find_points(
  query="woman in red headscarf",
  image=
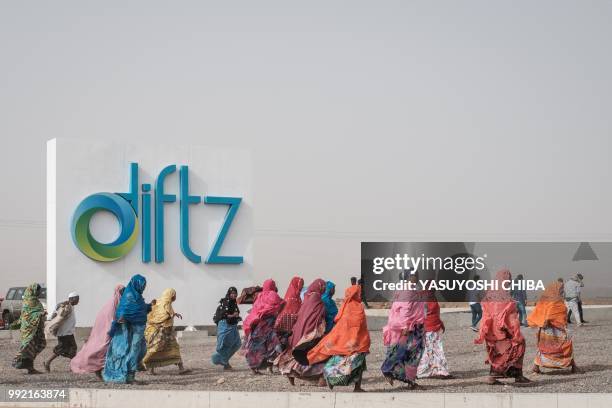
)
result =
(308, 329)
(261, 341)
(433, 363)
(288, 315)
(345, 347)
(500, 330)
(555, 347)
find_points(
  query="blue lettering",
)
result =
(234, 204)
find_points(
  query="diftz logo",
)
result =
(125, 207)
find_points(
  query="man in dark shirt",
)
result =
(363, 298)
(474, 301)
(520, 297)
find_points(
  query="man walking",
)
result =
(572, 296)
(473, 297)
(62, 325)
(363, 297)
(520, 297)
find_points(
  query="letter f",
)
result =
(160, 199)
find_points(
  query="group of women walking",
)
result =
(128, 335)
(311, 339)
(306, 336)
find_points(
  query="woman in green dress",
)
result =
(32, 326)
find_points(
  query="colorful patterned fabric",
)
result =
(307, 331)
(288, 365)
(402, 358)
(32, 312)
(162, 347)
(433, 362)
(288, 315)
(407, 312)
(262, 344)
(267, 304)
(344, 370)
(555, 348)
(32, 328)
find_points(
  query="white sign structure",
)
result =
(78, 169)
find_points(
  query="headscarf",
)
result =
(227, 306)
(228, 301)
(92, 356)
(267, 304)
(230, 290)
(499, 294)
(132, 307)
(407, 312)
(432, 317)
(549, 308)
(31, 313)
(162, 311)
(331, 310)
(350, 334)
(311, 316)
(499, 313)
(293, 302)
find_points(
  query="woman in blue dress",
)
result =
(128, 345)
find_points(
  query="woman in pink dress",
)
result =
(93, 354)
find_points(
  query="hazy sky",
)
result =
(366, 120)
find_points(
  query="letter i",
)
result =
(146, 223)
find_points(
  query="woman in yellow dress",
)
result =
(162, 347)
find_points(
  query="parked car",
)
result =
(1, 320)
(11, 305)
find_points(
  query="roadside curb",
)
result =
(101, 398)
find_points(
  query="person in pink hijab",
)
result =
(261, 343)
(403, 336)
(92, 356)
(500, 331)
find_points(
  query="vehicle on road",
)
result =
(1, 320)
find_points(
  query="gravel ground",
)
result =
(466, 360)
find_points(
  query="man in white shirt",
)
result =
(66, 343)
(572, 288)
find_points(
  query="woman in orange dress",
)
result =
(345, 347)
(555, 348)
